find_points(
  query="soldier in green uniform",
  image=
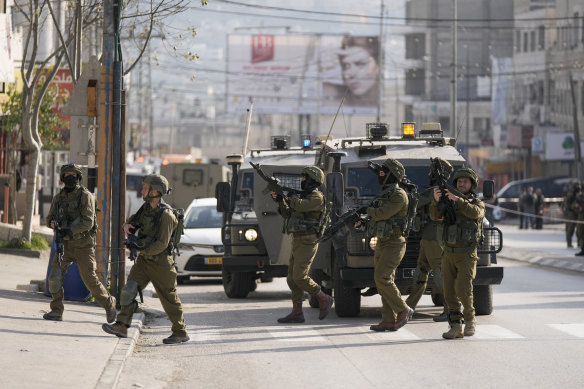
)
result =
(155, 264)
(578, 208)
(430, 255)
(459, 262)
(388, 220)
(569, 212)
(302, 215)
(77, 224)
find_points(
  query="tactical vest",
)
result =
(465, 233)
(303, 221)
(393, 226)
(422, 221)
(70, 210)
(148, 219)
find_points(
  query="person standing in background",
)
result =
(538, 209)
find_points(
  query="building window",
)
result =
(415, 46)
(541, 37)
(525, 36)
(518, 41)
(582, 98)
(532, 41)
(540, 92)
(409, 112)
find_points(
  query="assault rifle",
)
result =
(60, 247)
(347, 219)
(274, 183)
(445, 205)
(133, 244)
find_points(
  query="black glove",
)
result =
(278, 198)
(66, 232)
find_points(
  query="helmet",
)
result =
(394, 167)
(315, 173)
(157, 182)
(467, 172)
(71, 167)
(445, 166)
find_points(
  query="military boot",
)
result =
(383, 326)
(454, 332)
(54, 316)
(470, 328)
(403, 317)
(175, 339)
(296, 316)
(110, 312)
(325, 303)
(118, 329)
(441, 317)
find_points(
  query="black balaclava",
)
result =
(70, 183)
(309, 184)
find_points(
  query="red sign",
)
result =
(262, 48)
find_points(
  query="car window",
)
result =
(203, 217)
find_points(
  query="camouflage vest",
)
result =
(304, 221)
(70, 210)
(465, 232)
(395, 225)
(148, 219)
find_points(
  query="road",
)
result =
(534, 338)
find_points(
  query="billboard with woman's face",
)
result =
(307, 74)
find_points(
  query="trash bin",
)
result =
(73, 285)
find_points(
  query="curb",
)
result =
(21, 252)
(560, 263)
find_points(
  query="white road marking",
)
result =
(388, 336)
(492, 331)
(296, 334)
(574, 329)
(205, 336)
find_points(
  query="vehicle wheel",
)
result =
(264, 278)
(182, 279)
(236, 284)
(253, 284)
(347, 300)
(438, 299)
(318, 276)
(498, 214)
(483, 299)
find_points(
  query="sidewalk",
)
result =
(76, 353)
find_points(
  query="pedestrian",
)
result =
(430, 253)
(570, 214)
(156, 222)
(387, 225)
(538, 208)
(520, 207)
(529, 208)
(302, 218)
(578, 206)
(459, 262)
(73, 208)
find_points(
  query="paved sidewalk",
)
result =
(76, 353)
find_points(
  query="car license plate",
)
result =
(213, 261)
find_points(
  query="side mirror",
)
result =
(222, 194)
(335, 189)
(488, 189)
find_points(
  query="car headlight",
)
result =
(251, 234)
(373, 243)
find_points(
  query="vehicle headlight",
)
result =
(251, 234)
(373, 243)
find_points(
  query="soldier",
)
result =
(301, 219)
(387, 224)
(459, 262)
(430, 255)
(77, 225)
(578, 207)
(156, 223)
(569, 212)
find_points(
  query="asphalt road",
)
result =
(533, 339)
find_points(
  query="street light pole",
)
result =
(453, 38)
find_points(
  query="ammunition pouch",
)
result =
(387, 228)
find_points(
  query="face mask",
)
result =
(303, 185)
(381, 180)
(70, 181)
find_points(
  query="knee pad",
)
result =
(55, 280)
(129, 292)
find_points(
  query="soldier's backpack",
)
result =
(179, 213)
(411, 190)
(325, 217)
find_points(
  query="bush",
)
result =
(37, 242)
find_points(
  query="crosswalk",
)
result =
(309, 334)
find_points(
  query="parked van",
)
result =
(552, 188)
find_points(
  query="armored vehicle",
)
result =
(252, 233)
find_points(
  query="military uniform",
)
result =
(77, 222)
(578, 208)
(460, 257)
(301, 219)
(388, 220)
(570, 213)
(154, 264)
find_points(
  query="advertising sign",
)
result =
(561, 146)
(303, 74)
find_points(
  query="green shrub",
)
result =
(37, 242)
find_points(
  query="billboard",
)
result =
(303, 74)
(561, 147)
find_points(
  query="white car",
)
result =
(200, 247)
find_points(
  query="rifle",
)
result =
(348, 218)
(60, 247)
(133, 243)
(445, 205)
(274, 183)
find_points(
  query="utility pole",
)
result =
(453, 38)
(466, 76)
(578, 151)
(381, 67)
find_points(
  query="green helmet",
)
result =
(467, 172)
(395, 167)
(157, 182)
(446, 167)
(71, 167)
(315, 173)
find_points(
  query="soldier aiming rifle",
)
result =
(274, 184)
(445, 205)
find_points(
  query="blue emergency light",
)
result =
(306, 141)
